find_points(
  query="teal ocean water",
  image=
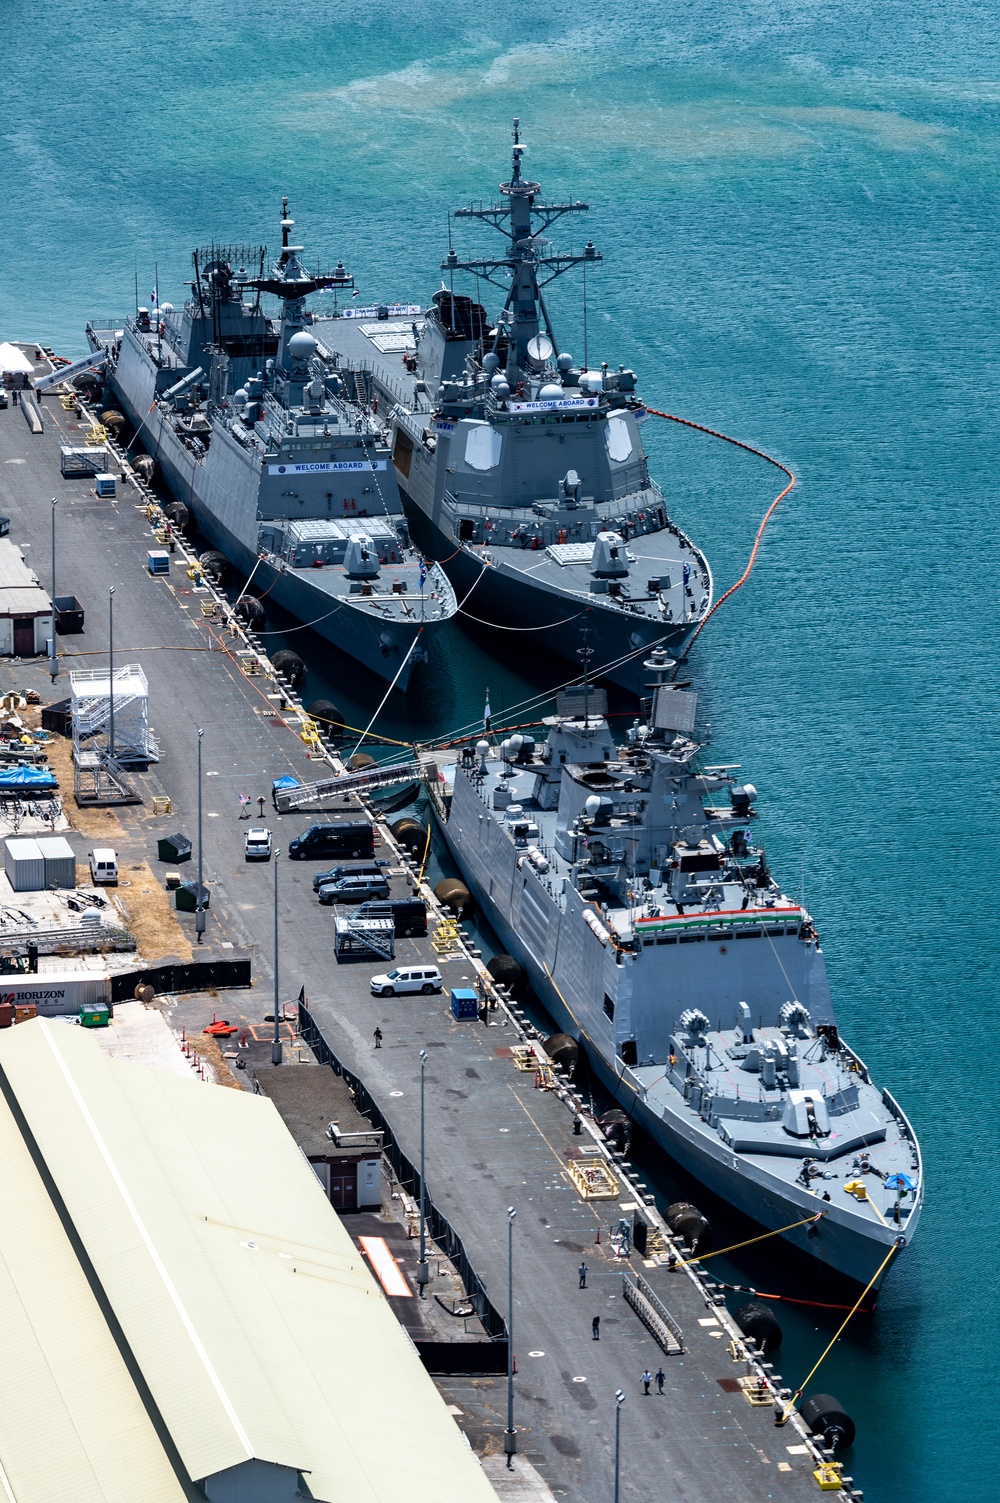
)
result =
(797, 205)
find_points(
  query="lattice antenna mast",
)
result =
(523, 220)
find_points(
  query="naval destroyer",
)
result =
(523, 473)
(286, 471)
(628, 881)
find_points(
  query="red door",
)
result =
(24, 636)
(344, 1190)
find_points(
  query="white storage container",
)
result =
(56, 992)
(60, 862)
(24, 865)
(104, 485)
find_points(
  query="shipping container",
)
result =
(24, 865)
(53, 993)
(60, 862)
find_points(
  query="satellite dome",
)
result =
(550, 392)
(241, 396)
(501, 390)
(593, 805)
(302, 346)
(490, 363)
(166, 307)
(565, 362)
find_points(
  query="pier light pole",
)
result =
(54, 666)
(276, 1041)
(422, 1274)
(619, 1401)
(199, 907)
(111, 675)
(510, 1434)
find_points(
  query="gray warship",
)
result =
(627, 881)
(524, 474)
(287, 474)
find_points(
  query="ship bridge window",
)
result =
(482, 447)
(618, 439)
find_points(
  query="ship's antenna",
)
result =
(585, 653)
(586, 365)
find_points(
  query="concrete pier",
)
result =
(494, 1139)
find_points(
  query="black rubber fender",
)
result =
(564, 1051)
(411, 834)
(826, 1416)
(760, 1324)
(508, 972)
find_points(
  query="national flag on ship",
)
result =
(487, 716)
(423, 572)
(154, 300)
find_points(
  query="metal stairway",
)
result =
(91, 692)
(359, 938)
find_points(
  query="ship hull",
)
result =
(499, 600)
(838, 1244)
(378, 646)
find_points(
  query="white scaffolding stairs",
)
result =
(358, 937)
(98, 776)
(91, 692)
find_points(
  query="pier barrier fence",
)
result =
(183, 976)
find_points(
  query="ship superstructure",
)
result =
(523, 472)
(628, 881)
(287, 475)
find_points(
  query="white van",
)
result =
(104, 866)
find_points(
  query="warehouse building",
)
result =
(182, 1315)
(25, 608)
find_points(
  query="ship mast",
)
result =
(523, 220)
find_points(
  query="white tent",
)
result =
(11, 359)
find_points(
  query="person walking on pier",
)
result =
(377, 1036)
(595, 1326)
(583, 1275)
(647, 1378)
(660, 1379)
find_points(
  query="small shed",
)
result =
(344, 1149)
(25, 608)
(60, 861)
(24, 865)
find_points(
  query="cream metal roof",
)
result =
(71, 1423)
(253, 1318)
(20, 592)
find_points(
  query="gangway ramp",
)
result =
(308, 794)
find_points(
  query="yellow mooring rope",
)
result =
(801, 1390)
(751, 1240)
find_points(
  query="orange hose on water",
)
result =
(738, 444)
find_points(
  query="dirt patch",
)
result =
(208, 1050)
(102, 825)
(151, 918)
